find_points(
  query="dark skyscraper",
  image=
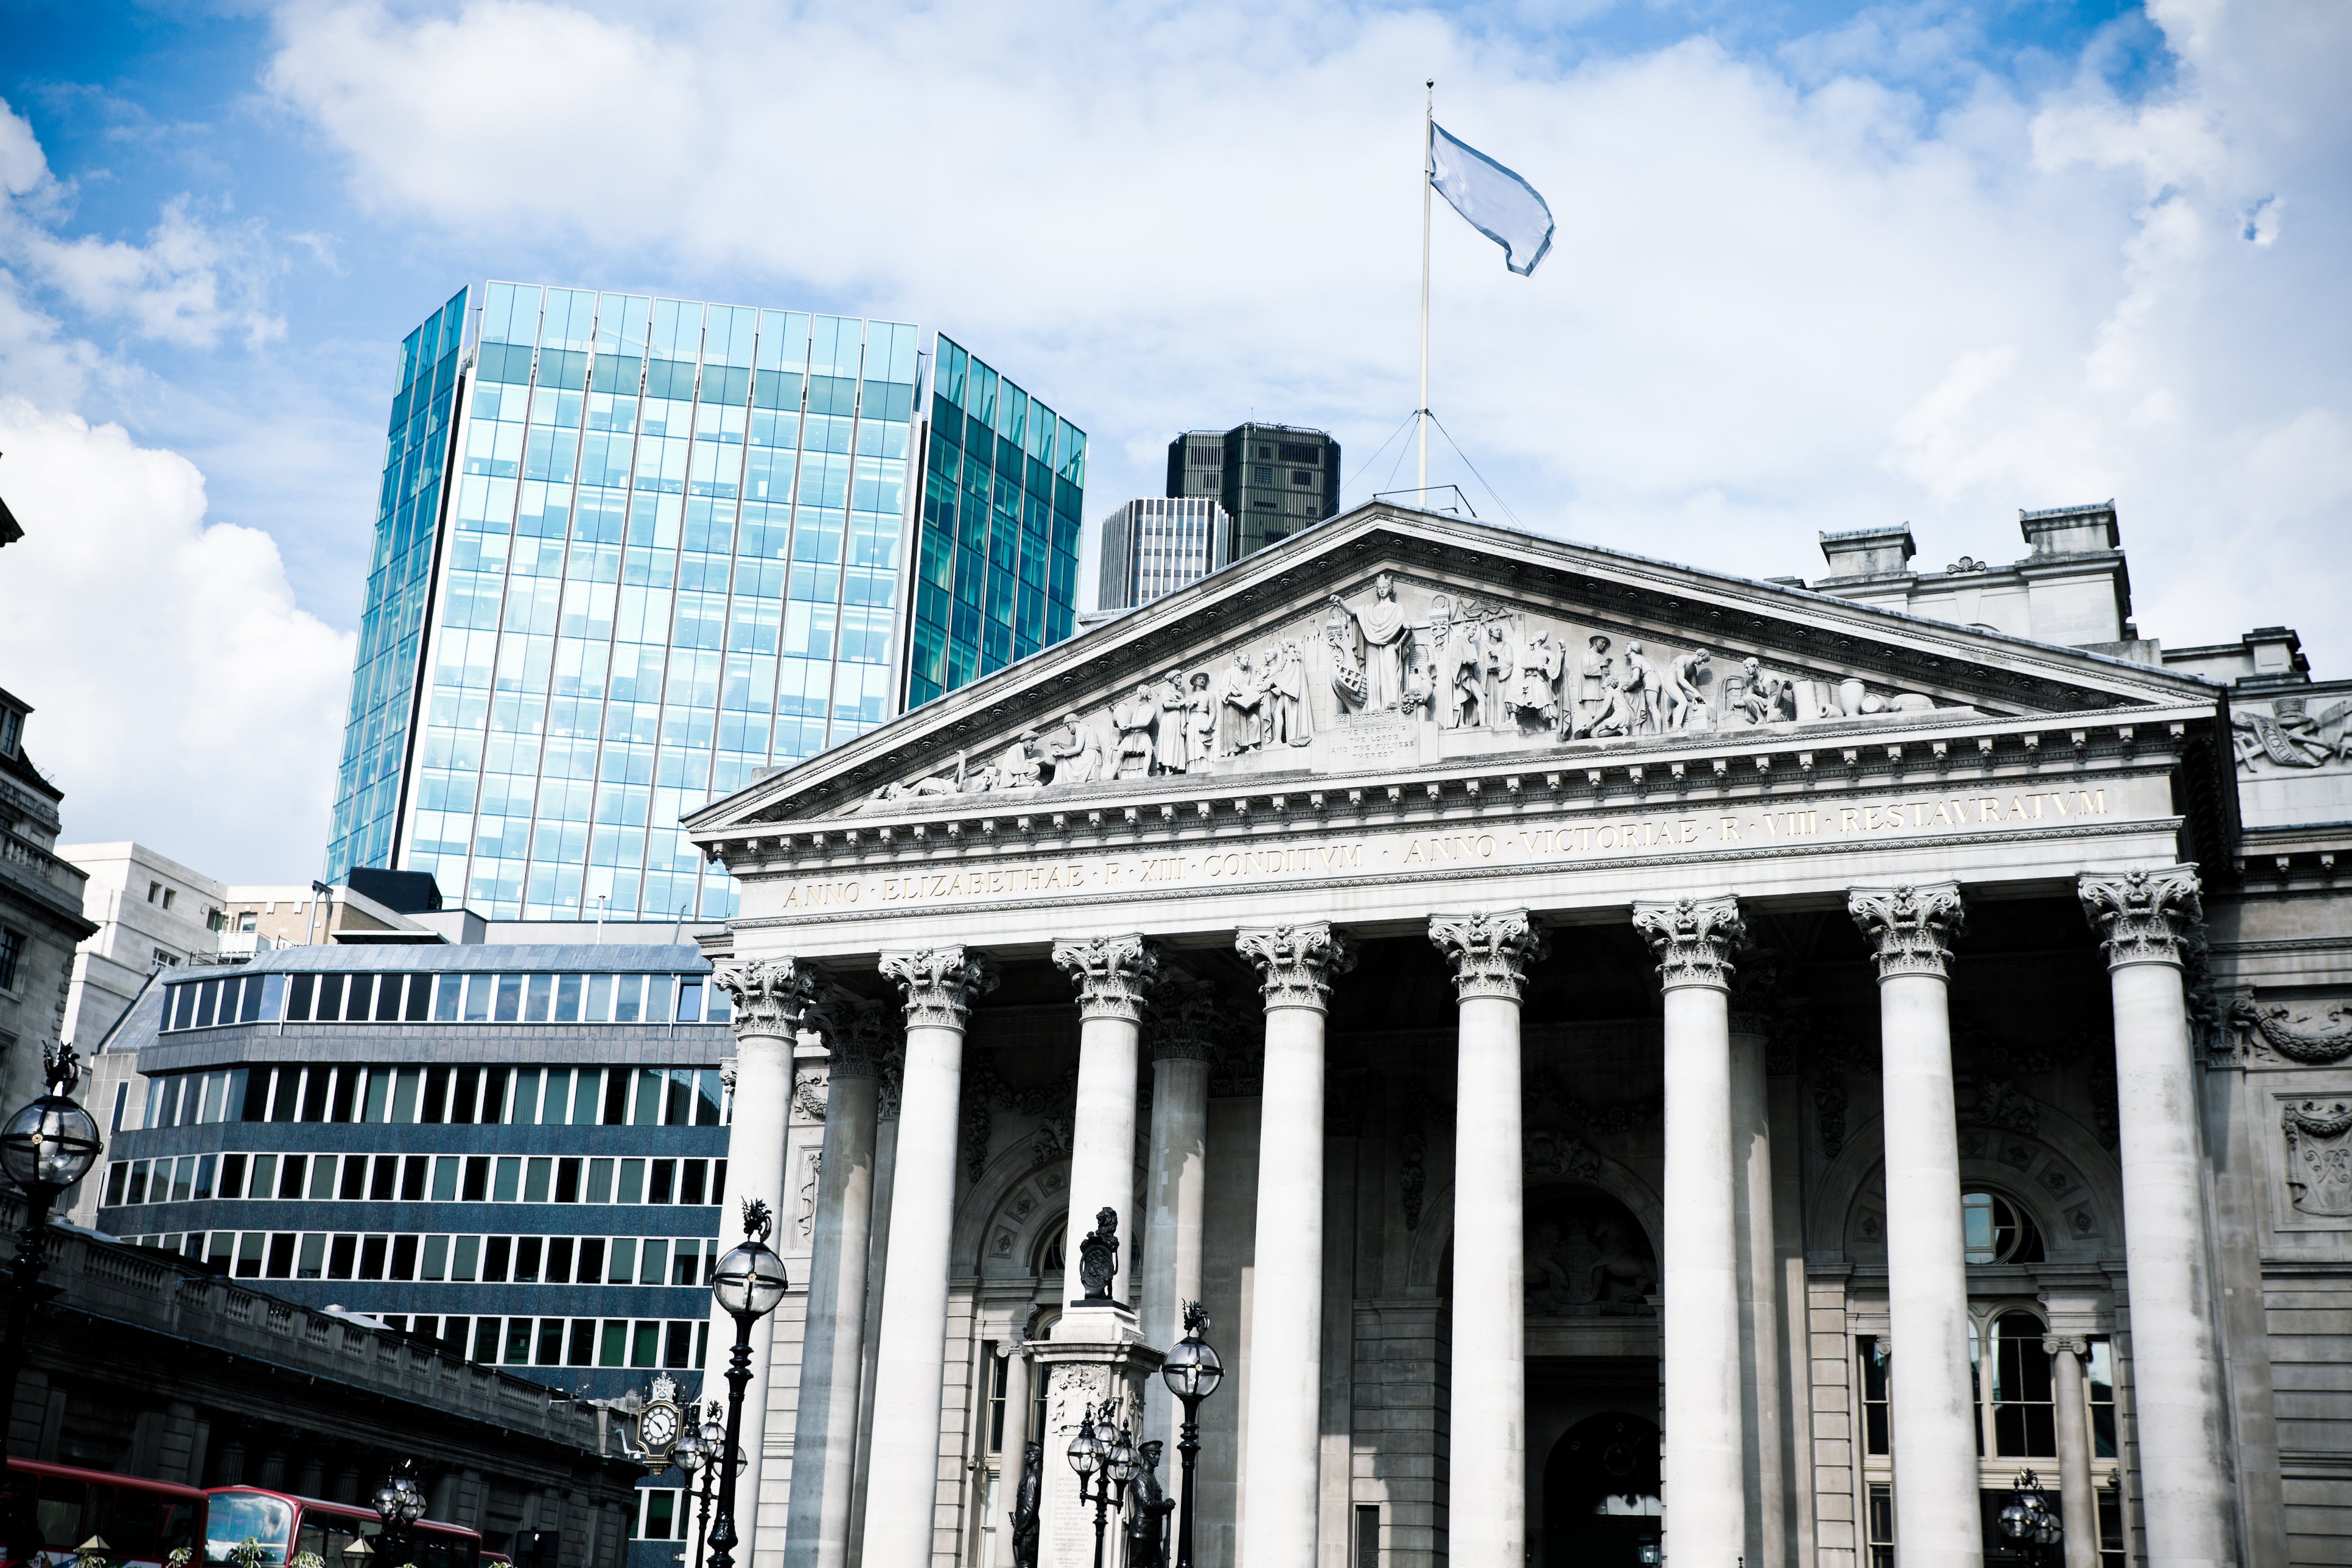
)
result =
(1272, 480)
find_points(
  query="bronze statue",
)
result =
(1147, 1527)
(1098, 1254)
(1025, 1505)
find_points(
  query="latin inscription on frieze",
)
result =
(1588, 837)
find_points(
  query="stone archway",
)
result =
(1600, 1493)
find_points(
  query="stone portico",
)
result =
(1626, 1055)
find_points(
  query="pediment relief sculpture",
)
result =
(1394, 671)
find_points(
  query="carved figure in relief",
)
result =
(1384, 638)
(1594, 681)
(1175, 736)
(1348, 681)
(1684, 705)
(1645, 701)
(1535, 685)
(1495, 671)
(1286, 696)
(1454, 666)
(1629, 697)
(1239, 699)
(1135, 720)
(1022, 767)
(1079, 760)
(1767, 693)
(2287, 736)
(1200, 718)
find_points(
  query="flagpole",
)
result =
(1428, 179)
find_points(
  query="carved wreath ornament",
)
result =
(2296, 1040)
(2319, 1157)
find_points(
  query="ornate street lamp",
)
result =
(749, 1284)
(697, 1455)
(1192, 1372)
(2029, 1519)
(45, 1148)
(400, 1504)
(1103, 1454)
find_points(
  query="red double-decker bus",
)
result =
(282, 1526)
(47, 1512)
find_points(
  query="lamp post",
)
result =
(750, 1283)
(696, 1456)
(1103, 1453)
(400, 1504)
(1192, 1372)
(45, 1148)
(2029, 1519)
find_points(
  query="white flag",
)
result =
(1499, 203)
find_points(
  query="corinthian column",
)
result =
(833, 1348)
(773, 998)
(1174, 1184)
(1760, 1339)
(1113, 974)
(2146, 918)
(940, 983)
(1936, 1522)
(1705, 1464)
(1489, 953)
(1283, 1464)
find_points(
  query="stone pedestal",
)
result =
(1096, 1353)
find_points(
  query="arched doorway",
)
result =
(1600, 1493)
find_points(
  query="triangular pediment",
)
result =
(1390, 640)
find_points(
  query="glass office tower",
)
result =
(1003, 486)
(669, 557)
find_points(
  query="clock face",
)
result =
(657, 1428)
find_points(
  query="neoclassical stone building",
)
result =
(1630, 1058)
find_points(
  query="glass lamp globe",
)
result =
(714, 1429)
(749, 1283)
(388, 1504)
(49, 1144)
(1193, 1369)
(411, 1499)
(1085, 1453)
(688, 1455)
(1121, 1463)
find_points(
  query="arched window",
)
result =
(1995, 1230)
(1048, 1263)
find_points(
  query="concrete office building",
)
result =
(631, 553)
(515, 1152)
(1639, 1060)
(1272, 480)
(1155, 545)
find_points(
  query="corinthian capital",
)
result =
(860, 1041)
(1694, 939)
(1910, 928)
(1297, 962)
(940, 983)
(1184, 1022)
(1489, 950)
(1113, 974)
(2144, 916)
(771, 995)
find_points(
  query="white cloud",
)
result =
(1866, 278)
(192, 283)
(181, 696)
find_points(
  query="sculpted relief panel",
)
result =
(1393, 673)
(2287, 738)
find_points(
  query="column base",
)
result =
(1096, 1353)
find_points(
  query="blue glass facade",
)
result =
(518, 1152)
(400, 580)
(673, 557)
(997, 551)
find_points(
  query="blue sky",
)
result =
(1819, 266)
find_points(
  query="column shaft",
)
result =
(833, 1347)
(1937, 1519)
(1016, 1426)
(911, 1363)
(771, 999)
(2076, 1509)
(1705, 1471)
(1759, 1313)
(1174, 1182)
(1283, 1454)
(2145, 917)
(1488, 1518)
(1112, 973)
